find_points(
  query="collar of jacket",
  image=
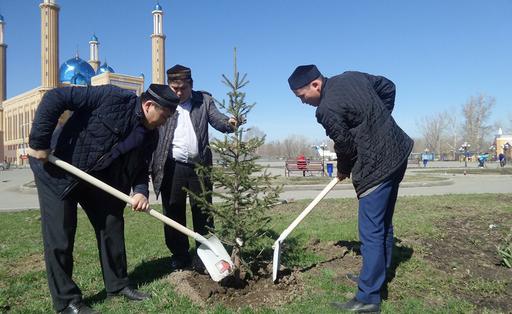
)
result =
(139, 114)
(196, 99)
(322, 92)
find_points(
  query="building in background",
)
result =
(17, 112)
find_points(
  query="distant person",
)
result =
(302, 164)
(502, 159)
(111, 135)
(355, 110)
(425, 161)
(183, 145)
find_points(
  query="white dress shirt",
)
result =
(184, 143)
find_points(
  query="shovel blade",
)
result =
(276, 262)
(215, 258)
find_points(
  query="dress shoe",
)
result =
(78, 308)
(352, 277)
(180, 262)
(198, 266)
(130, 294)
(357, 306)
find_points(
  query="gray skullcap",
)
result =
(163, 96)
(303, 75)
(179, 72)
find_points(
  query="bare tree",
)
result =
(476, 112)
(294, 145)
(253, 132)
(432, 128)
(452, 131)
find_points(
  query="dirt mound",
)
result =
(258, 292)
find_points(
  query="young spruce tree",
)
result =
(244, 187)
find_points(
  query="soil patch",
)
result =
(30, 263)
(259, 291)
(467, 251)
(340, 257)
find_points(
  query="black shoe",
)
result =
(357, 306)
(198, 266)
(352, 277)
(78, 308)
(180, 262)
(130, 294)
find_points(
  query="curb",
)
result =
(348, 186)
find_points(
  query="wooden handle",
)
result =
(125, 198)
(308, 209)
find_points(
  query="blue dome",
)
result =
(76, 70)
(79, 79)
(94, 38)
(1, 18)
(104, 68)
(158, 7)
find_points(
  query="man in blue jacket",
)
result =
(110, 134)
(355, 110)
(183, 144)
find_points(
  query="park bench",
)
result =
(305, 167)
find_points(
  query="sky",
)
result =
(438, 53)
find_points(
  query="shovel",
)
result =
(277, 245)
(211, 251)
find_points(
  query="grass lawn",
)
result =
(445, 259)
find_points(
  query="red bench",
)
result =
(309, 166)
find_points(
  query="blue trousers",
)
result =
(376, 236)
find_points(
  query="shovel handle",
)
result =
(125, 198)
(308, 209)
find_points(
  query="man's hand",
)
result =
(41, 155)
(140, 203)
(343, 176)
(236, 123)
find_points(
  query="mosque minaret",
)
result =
(158, 47)
(94, 59)
(3, 64)
(49, 44)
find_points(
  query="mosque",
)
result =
(17, 113)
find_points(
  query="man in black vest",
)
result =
(111, 134)
(355, 110)
(183, 144)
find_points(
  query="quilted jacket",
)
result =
(355, 110)
(102, 116)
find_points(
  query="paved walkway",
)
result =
(17, 194)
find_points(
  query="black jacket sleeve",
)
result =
(53, 105)
(216, 118)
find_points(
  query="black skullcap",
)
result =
(163, 96)
(303, 75)
(179, 72)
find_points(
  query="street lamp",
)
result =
(492, 149)
(506, 148)
(323, 147)
(23, 144)
(464, 147)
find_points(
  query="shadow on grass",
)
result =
(400, 254)
(144, 273)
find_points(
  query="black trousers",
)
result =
(59, 222)
(174, 201)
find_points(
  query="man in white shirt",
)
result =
(183, 144)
